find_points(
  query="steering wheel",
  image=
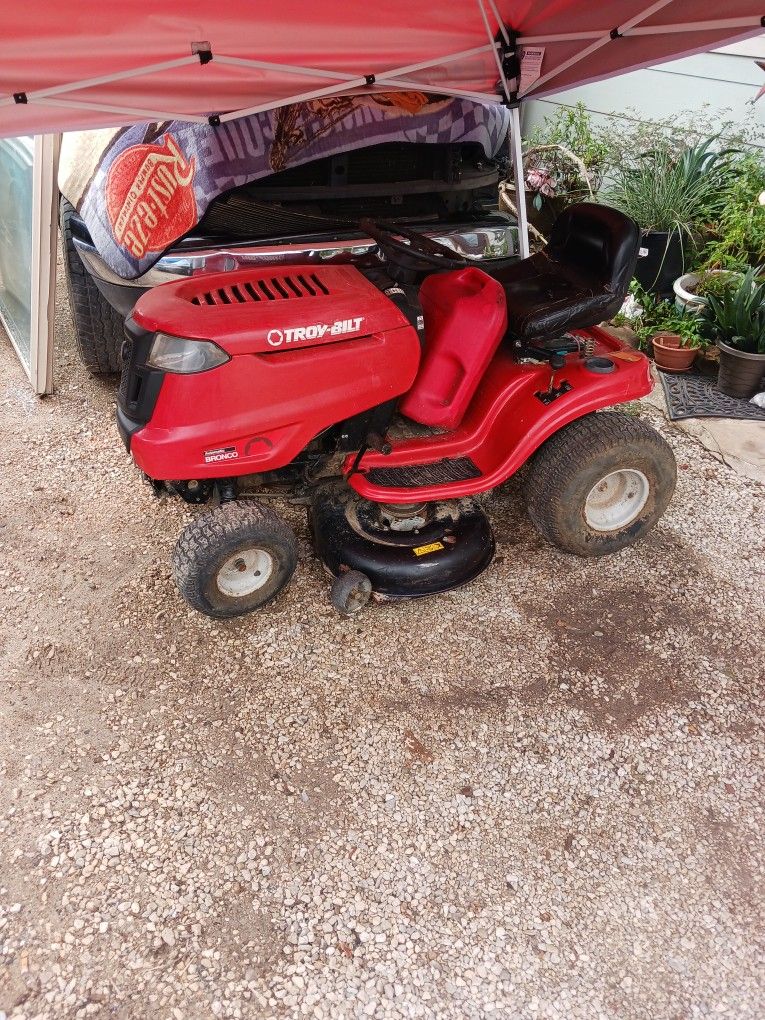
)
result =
(421, 251)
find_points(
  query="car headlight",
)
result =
(183, 356)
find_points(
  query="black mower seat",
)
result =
(580, 278)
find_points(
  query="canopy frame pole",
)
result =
(516, 158)
(343, 81)
(401, 83)
(673, 29)
(303, 97)
(341, 88)
(386, 79)
(511, 101)
(502, 27)
(390, 78)
(608, 37)
(151, 115)
(508, 92)
(422, 65)
(104, 79)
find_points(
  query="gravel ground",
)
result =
(538, 797)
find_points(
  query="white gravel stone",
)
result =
(540, 796)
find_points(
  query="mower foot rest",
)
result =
(412, 476)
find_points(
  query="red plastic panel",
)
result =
(258, 411)
(506, 421)
(262, 310)
(465, 319)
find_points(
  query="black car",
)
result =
(307, 213)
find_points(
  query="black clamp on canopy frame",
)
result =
(510, 61)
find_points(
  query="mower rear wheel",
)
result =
(234, 559)
(600, 483)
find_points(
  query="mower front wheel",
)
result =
(351, 591)
(234, 559)
(600, 483)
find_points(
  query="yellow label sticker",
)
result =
(423, 550)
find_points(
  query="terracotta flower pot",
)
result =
(669, 355)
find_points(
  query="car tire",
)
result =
(600, 483)
(99, 330)
(234, 559)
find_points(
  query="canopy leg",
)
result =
(516, 155)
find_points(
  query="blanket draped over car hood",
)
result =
(141, 188)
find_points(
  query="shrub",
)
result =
(566, 155)
(628, 135)
(665, 191)
(737, 235)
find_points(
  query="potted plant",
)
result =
(675, 335)
(678, 339)
(564, 160)
(670, 196)
(692, 290)
(671, 354)
(736, 320)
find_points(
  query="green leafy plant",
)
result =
(665, 191)
(662, 317)
(715, 284)
(737, 317)
(736, 237)
(566, 155)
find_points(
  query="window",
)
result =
(28, 200)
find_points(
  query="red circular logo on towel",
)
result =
(150, 196)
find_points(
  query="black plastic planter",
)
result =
(660, 261)
(740, 373)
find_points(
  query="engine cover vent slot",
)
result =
(273, 288)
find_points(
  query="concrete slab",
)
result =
(739, 444)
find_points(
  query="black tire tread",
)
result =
(200, 540)
(600, 433)
(342, 586)
(99, 329)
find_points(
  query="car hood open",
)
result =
(141, 188)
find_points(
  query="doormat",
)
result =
(690, 395)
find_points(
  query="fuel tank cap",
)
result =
(599, 364)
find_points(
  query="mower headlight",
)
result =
(177, 354)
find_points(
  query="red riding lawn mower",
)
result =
(387, 395)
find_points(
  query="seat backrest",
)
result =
(597, 242)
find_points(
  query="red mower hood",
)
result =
(267, 311)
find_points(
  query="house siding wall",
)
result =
(726, 81)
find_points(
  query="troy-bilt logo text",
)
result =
(277, 337)
(150, 196)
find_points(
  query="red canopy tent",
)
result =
(77, 64)
(88, 63)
